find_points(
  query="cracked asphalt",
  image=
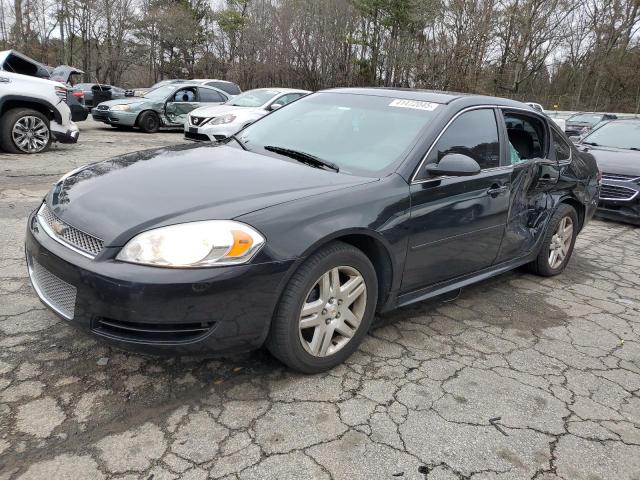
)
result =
(519, 377)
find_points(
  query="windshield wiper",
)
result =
(303, 157)
(591, 143)
(637, 149)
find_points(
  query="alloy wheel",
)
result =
(30, 134)
(332, 311)
(561, 242)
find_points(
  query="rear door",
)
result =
(457, 223)
(535, 173)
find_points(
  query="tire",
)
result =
(292, 345)
(19, 121)
(542, 265)
(149, 122)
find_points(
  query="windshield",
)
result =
(361, 134)
(253, 98)
(591, 118)
(161, 92)
(617, 135)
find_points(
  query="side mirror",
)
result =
(454, 164)
(275, 106)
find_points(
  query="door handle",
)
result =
(496, 190)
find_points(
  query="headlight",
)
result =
(195, 244)
(224, 119)
(123, 108)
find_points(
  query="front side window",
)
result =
(362, 134)
(474, 134)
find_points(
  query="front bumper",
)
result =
(127, 119)
(212, 133)
(65, 134)
(159, 310)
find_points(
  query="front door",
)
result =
(180, 104)
(457, 223)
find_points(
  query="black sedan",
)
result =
(616, 147)
(294, 232)
(580, 124)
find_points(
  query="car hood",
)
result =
(118, 198)
(216, 110)
(616, 160)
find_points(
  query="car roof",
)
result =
(212, 80)
(434, 96)
(280, 89)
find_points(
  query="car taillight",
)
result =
(78, 94)
(61, 92)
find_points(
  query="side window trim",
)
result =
(442, 132)
(556, 129)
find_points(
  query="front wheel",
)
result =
(149, 122)
(325, 310)
(558, 242)
(23, 130)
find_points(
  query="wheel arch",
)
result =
(135, 124)
(373, 245)
(10, 102)
(578, 206)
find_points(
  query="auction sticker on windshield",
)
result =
(418, 105)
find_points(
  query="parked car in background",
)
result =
(163, 107)
(616, 147)
(75, 99)
(297, 230)
(582, 123)
(141, 92)
(224, 85)
(33, 109)
(212, 123)
(89, 88)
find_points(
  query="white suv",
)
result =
(33, 111)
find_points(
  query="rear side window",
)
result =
(562, 148)
(227, 87)
(211, 96)
(474, 134)
(527, 137)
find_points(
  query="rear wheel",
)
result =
(23, 130)
(149, 122)
(558, 243)
(326, 309)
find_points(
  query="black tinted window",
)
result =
(563, 150)
(230, 88)
(474, 134)
(211, 96)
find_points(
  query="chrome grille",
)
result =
(55, 292)
(613, 192)
(68, 234)
(620, 177)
